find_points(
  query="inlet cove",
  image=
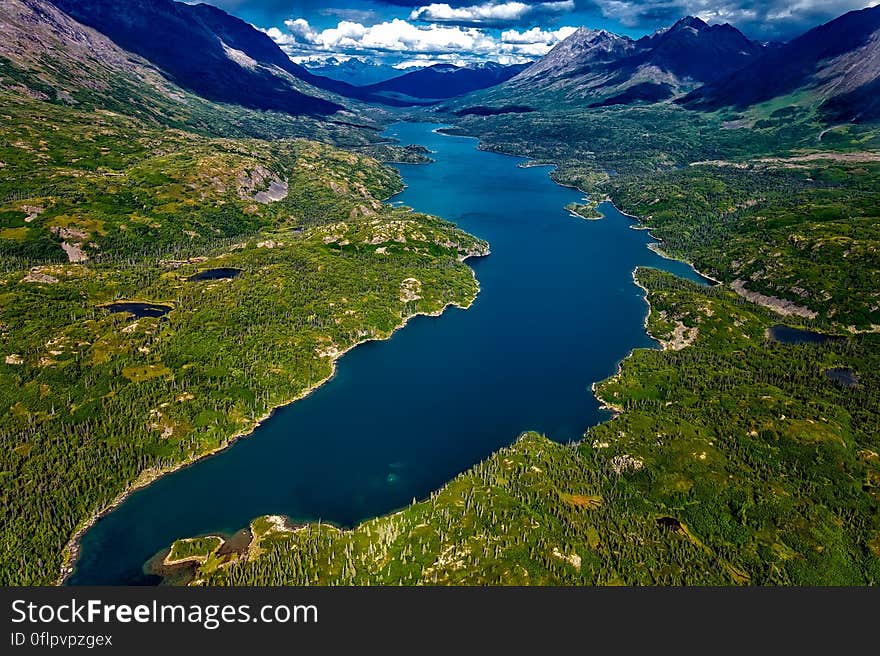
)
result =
(557, 311)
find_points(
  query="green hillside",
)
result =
(98, 207)
(735, 460)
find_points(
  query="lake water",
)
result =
(788, 335)
(557, 311)
(139, 310)
(843, 376)
(214, 274)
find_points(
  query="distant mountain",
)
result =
(353, 71)
(836, 66)
(443, 81)
(204, 50)
(604, 68)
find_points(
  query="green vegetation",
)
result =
(732, 459)
(591, 146)
(194, 549)
(112, 82)
(97, 207)
(772, 198)
(118, 190)
(735, 460)
(392, 153)
(585, 210)
(804, 230)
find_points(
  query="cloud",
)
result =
(401, 40)
(537, 36)
(490, 14)
(760, 18)
(359, 15)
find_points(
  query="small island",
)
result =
(586, 210)
(193, 550)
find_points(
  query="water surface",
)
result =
(557, 311)
(788, 335)
(139, 310)
(214, 274)
(843, 376)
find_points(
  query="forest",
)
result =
(97, 208)
(734, 460)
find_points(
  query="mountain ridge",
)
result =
(443, 81)
(837, 63)
(606, 68)
(182, 41)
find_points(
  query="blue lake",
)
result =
(557, 311)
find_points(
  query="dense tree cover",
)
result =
(803, 230)
(93, 402)
(773, 197)
(735, 460)
(393, 153)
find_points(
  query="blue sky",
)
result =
(414, 32)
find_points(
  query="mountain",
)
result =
(836, 65)
(354, 71)
(46, 55)
(50, 62)
(204, 50)
(442, 81)
(583, 53)
(693, 50)
(611, 69)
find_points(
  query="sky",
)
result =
(406, 33)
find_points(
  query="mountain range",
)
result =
(442, 81)
(206, 51)
(354, 71)
(47, 55)
(225, 59)
(157, 48)
(836, 65)
(604, 68)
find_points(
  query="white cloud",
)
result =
(786, 17)
(537, 35)
(417, 43)
(488, 13)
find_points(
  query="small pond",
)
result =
(214, 274)
(139, 310)
(843, 376)
(788, 335)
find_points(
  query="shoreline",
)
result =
(605, 404)
(73, 548)
(657, 249)
(638, 224)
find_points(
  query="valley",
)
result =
(188, 243)
(538, 298)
